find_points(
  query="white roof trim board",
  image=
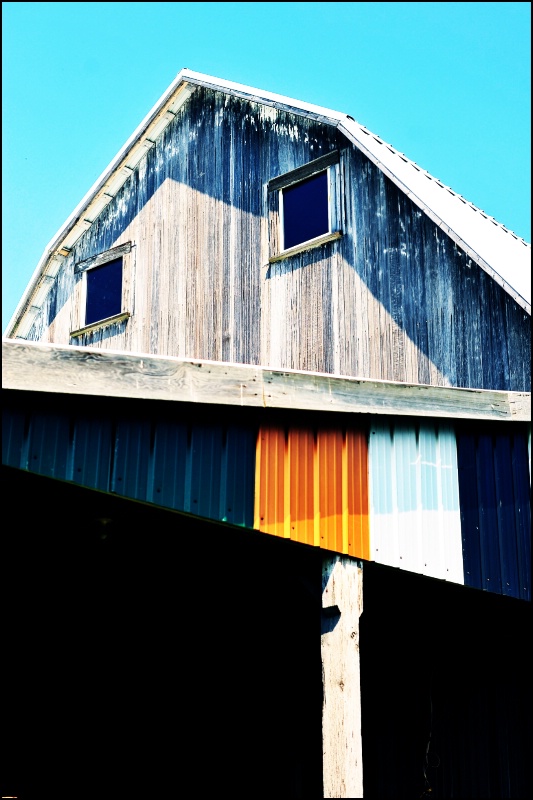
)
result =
(503, 255)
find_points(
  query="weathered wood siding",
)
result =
(393, 299)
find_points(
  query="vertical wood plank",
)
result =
(342, 604)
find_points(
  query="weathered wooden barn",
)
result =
(266, 458)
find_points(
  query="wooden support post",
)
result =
(342, 605)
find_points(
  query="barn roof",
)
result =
(497, 250)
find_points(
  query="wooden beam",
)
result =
(30, 366)
(103, 258)
(305, 171)
(101, 323)
(342, 605)
(301, 248)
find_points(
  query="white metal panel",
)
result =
(415, 521)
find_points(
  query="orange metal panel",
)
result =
(330, 475)
(269, 493)
(301, 482)
(312, 487)
(357, 495)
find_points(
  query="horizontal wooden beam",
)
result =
(305, 171)
(63, 369)
(301, 248)
(103, 258)
(101, 323)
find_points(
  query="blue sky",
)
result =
(448, 84)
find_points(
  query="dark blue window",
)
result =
(305, 210)
(104, 291)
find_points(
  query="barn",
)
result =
(268, 366)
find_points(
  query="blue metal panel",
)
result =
(187, 465)
(239, 470)
(131, 458)
(522, 506)
(49, 445)
(58, 446)
(14, 439)
(496, 512)
(505, 510)
(469, 505)
(206, 470)
(93, 446)
(488, 519)
(171, 457)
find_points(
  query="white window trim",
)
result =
(101, 323)
(335, 207)
(333, 211)
(122, 251)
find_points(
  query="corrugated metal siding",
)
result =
(449, 502)
(415, 522)
(207, 471)
(311, 486)
(494, 489)
(14, 452)
(204, 469)
(49, 445)
(93, 448)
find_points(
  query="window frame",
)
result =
(122, 252)
(329, 163)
